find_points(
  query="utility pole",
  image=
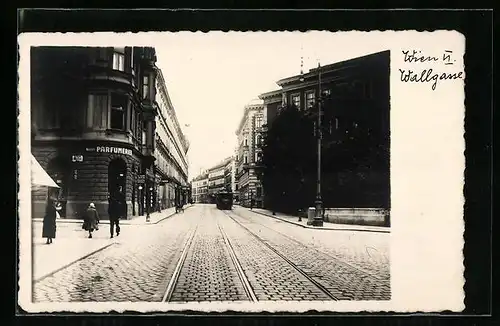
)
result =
(318, 219)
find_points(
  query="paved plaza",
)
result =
(205, 254)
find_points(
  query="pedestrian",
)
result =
(91, 222)
(114, 211)
(252, 203)
(49, 220)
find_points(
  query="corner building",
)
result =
(249, 154)
(94, 112)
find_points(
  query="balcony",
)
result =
(107, 75)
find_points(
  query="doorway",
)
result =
(59, 170)
(117, 180)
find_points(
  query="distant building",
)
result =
(249, 154)
(200, 188)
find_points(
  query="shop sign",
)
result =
(108, 149)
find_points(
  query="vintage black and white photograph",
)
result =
(258, 169)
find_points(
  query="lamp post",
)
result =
(318, 219)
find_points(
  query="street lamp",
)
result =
(318, 220)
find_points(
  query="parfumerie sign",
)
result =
(107, 149)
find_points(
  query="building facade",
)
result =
(171, 152)
(249, 154)
(354, 97)
(95, 111)
(200, 188)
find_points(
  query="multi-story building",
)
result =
(229, 180)
(248, 154)
(354, 97)
(94, 111)
(216, 179)
(200, 188)
(171, 165)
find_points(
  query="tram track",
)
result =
(285, 259)
(241, 274)
(178, 268)
(177, 283)
(337, 260)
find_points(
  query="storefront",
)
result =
(88, 172)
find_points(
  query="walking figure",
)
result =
(114, 211)
(49, 220)
(91, 221)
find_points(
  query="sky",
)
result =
(211, 76)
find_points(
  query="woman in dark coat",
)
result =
(49, 220)
(91, 219)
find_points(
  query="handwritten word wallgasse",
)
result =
(427, 75)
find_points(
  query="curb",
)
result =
(122, 222)
(73, 262)
(321, 228)
(164, 218)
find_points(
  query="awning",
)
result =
(39, 176)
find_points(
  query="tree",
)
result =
(288, 157)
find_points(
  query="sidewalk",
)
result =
(154, 218)
(69, 246)
(72, 244)
(326, 225)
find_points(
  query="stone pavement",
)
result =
(347, 277)
(135, 268)
(236, 255)
(326, 225)
(208, 273)
(70, 245)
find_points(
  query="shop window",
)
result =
(118, 110)
(119, 59)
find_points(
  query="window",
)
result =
(258, 139)
(119, 59)
(258, 121)
(246, 141)
(101, 58)
(246, 159)
(145, 86)
(296, 100)
(310, 98)
(118, 110)
(97, 111)
(259, 192)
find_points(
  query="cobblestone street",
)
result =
(205, 254)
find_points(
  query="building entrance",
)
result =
(117, 180)
(60, 171)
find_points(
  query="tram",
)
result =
(224, 200)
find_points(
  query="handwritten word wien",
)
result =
(428, 75)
